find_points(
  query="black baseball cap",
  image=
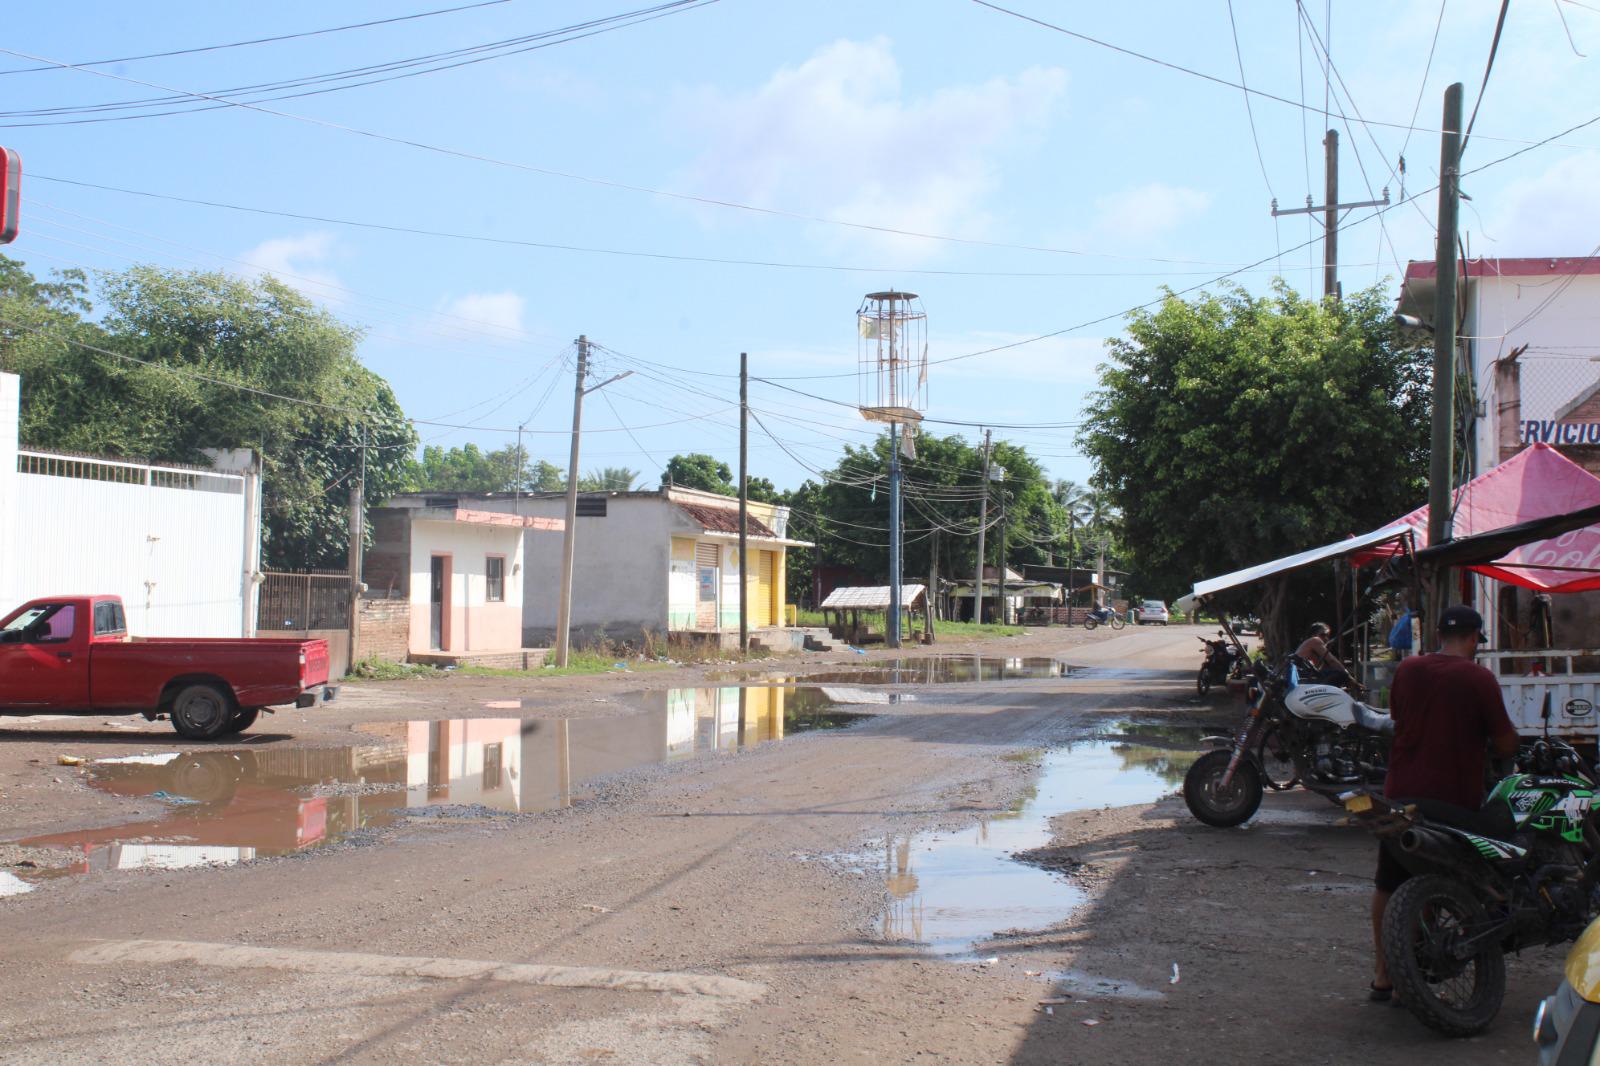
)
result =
(1461, 619)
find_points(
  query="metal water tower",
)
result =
(892, 352)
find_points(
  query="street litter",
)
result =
(596, 908)
(990, 961)
(1055, 1001)
(1091, 1021)
(1174, 978)
(168, 797)
(70, 760)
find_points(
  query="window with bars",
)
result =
(494, 568)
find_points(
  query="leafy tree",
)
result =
(206, 360)
(763, 490)
(1229, 430)
(469, 469)
(700, 471)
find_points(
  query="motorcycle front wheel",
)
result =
(1215, 805)
(1202, 682)
(1425, 919)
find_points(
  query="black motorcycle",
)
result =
(1523, 871)
(1225, 661)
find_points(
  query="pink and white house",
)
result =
(461, 569)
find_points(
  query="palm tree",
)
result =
(1074, 501)
(609, 479)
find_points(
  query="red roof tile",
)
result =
(723, 519)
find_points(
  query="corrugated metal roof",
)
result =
(872, 597)
(723, 519)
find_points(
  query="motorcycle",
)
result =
(1103, 616)
(1316, 736)
(1225, 661)
(1521, 872)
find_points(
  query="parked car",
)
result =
(1567, 1025)
(1152, 612)
(73, 655)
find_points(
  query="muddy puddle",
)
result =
(929, 670)
(232, 805)
(952, 891)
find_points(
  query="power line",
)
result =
(1238, 54)
(264, 40)
(1494, 47)
(268, 91)
(481, 238)
(457, 153)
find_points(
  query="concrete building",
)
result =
(460, 567)
(1530, 346)
(663, 562)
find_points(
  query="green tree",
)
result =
(700, 471)
(1228, 430)
(196, 360)
(470, 469)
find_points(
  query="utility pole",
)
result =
(569, 542)
(358, 533)
(1005, 607)
(892, 636)
(1444, 343)
(1329, 210)
(983, 527)
(744, 503)
(568, 534)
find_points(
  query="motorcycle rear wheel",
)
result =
(1424, 917)
(1218, 806)
(1117, 622)
(1090, 622)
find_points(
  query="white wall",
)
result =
(9, 400)
(172, 554)
(619, 570)
(1562, 334)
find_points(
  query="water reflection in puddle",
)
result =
(950, 891)
(230, 806)
(928, 670)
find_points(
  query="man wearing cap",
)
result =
(1448, 715)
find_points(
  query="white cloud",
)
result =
(477, 313)
(836, 137)
(1148, 210)
(1554, 213)
(296, 261)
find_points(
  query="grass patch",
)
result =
(1026, 755)
(373, 669)
(578, 662)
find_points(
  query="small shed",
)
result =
(843, 608)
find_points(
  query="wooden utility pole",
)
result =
(1005, 607)
(568, 535)
(744, 503)
(983, 528)
(1329, 210)
(1442, 460)
(358, 535)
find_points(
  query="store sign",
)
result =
(1549, 431)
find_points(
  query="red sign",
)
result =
(10, 195)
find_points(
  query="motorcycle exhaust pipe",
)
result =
(1431, 846)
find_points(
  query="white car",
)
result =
(1153, 612)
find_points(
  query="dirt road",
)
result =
(712, 895)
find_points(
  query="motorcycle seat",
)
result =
(1495, 820)
(1372, 718)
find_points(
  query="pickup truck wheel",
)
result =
(202, 711)
(242, 719)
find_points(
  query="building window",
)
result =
(494, 568)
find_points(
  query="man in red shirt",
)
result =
(1448, 715)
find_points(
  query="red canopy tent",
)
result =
(1538, 482)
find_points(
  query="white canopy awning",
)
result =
(1213, 585)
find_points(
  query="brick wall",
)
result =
(385, 629)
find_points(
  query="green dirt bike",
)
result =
(1523, 871)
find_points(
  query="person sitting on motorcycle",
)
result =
(1448, 714)
(1314, 650)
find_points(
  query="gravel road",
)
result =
(759, 905)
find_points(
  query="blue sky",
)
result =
(1076, 180)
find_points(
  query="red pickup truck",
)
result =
(73, 655)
